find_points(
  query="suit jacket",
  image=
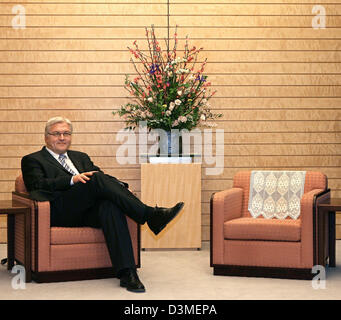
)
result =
(45, 178)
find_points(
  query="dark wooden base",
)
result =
(263, 272)
(73, 275)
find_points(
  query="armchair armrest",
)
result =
(307, 216)
(41, 235)
(225, 205)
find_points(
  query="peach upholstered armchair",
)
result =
(244, 244)
(61, 254)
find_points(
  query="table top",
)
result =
(11, 206)
(332, 204)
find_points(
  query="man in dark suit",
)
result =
(80, 194)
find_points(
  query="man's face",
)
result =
(58, 139)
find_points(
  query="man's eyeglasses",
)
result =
(59, 134)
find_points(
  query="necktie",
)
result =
(62, 158)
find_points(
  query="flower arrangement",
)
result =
(167, 93)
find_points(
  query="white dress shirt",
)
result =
(67, 161)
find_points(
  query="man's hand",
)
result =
(83, 177)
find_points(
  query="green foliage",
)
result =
(167, 93)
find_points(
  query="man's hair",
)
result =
(55, 120)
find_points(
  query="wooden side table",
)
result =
(329, 208)
(11, 208)
(164, 185)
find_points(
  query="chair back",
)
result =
(313, 180)
(20, 185)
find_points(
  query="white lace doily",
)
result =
(276, 194)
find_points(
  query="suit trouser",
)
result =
(102, 202)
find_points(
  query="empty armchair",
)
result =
(61, 254)
(256, 230)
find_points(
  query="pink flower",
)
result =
(175, 123)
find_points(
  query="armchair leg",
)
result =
(10, 242)
(331, 240)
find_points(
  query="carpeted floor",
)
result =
(178, 275)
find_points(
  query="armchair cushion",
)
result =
(263, 229)
(61, 235)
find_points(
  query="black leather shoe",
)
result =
(162, 216)
(131, 281)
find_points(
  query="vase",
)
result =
(170, 144)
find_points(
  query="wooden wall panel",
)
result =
(269, 53)
(70, 57)
(278, 81)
